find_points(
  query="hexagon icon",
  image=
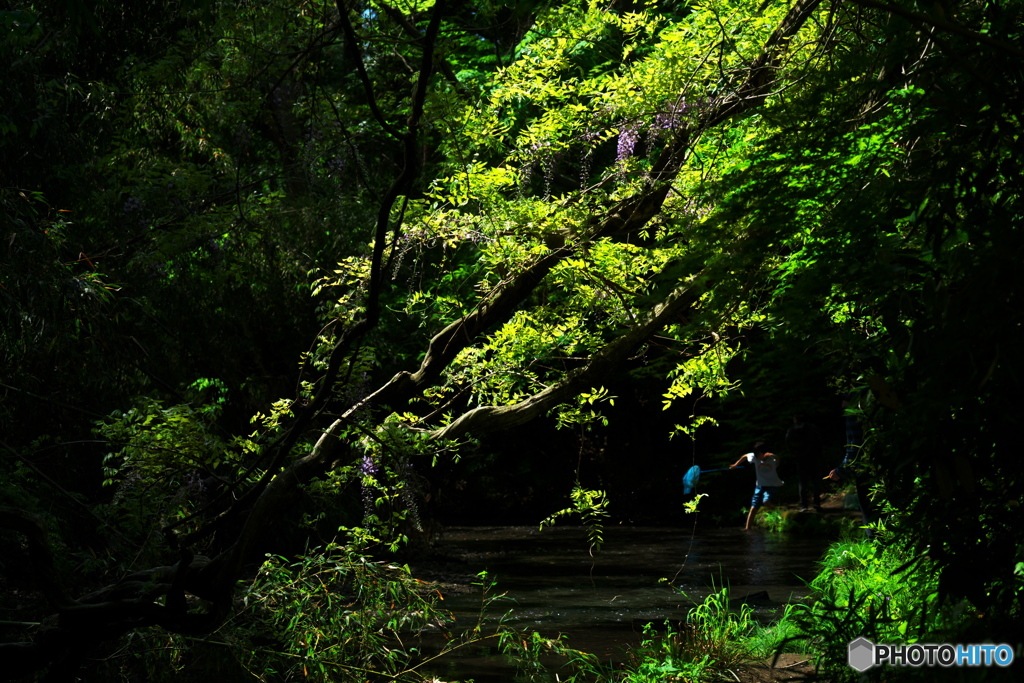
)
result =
(861, 655)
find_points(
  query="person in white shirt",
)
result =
(766, 490)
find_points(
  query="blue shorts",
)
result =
(763, 494)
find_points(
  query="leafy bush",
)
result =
(334, 613)
(878, 591)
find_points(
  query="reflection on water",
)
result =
(640, 575)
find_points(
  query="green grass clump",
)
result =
(713, 643)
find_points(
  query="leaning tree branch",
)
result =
(486, 419)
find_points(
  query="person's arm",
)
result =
(737, 463)
(839, 473)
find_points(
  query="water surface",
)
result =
(554, 584)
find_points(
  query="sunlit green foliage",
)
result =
(879, 592)
(592, 508)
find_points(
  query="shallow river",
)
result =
(641, 574)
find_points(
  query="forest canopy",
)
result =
(269, 268)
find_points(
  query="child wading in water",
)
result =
(766, 489)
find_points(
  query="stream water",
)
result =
(553, 585)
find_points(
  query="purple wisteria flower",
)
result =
(369, 469)
(671, 117)
(628, 137)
